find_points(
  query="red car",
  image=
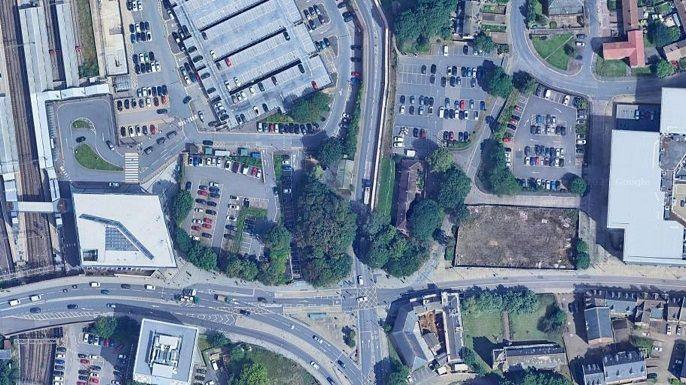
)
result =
(207, 220)
(462, 104)
(84, 361)
(207, 225)
(202, 192)
(80, 383)
(94, 380)
(253, 170)
(195, 228)
(452, 135)
(153, 129)
(355, 74)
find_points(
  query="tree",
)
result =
(483, 42)
(181, 206)
(8, 372)
(330, 151)
(202, 257)
(577, 185)
(495, 175)
(418, 25)
(398, 373)
(472, 361)
(661, 35)
(424, 218)
(440, 159)
(553, 321)
(497, 82)
(583, 261)
(324, 229)
(544, 377)
(105, 326)
(349, 336)
(252, 374)
(242, 268)
(217, 339)
(277, 242)
(310, 108)
(524, 82)
(534, 12)
(663, 69)
(454, 187)
(126, 331)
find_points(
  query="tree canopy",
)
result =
(483, 42)
(517, 300)
(577, 185)
(554, 320)
(424, 218)
(497, 82)
(398, 373)
(324, 229)
(277, 242)
(310, 108)
(524, 82)
(453, 189)
(217, 339)
(661, 35)
(440, 159)
(181, 206)
(252, 374)
(495, 175)
(417, 26)
(663, 69)
(330, 151)
(105, 326)
(8, 372)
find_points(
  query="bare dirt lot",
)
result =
(522, 237)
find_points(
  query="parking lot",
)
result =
(88, 360)
(222, 188)
(543, 149)
(438, 100)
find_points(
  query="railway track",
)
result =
(38, 246)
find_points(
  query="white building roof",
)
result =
(635, 200)
(122, 230)
(165, 354)
(673, 115)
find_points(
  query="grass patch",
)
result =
(493, 28)
(525, 326)
(89, 67)
(280, 370)
(244, 214)
(81, 123)
(610, 68)
(664, 8)
(493, 8)
(552, 49)
(88, 158)
(249, 160)
(386, 184)
(641, 71)
(482, 331)
(278, 168)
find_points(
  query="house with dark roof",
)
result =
(598, 325)
(623, 367)
(410, 172)
(565, 7)
(428, 329)
(529, 355)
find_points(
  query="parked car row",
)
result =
(134, 5)
(540, 184)
(227, 164)
(145, 62)
(152, 91)
(141, 102)
(452, 113)
(461, 136)
(539, 155)
(140, 32)
(288, 128)
(137, 130)
(548, 130)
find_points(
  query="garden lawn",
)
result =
(610, 68)
(89, 67)
(483, 330)
(525, 326)
(386, 184)
(88, 158)
(552, 49)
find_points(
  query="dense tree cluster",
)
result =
(661, 35)
(416, 27)
(663, 69)
(105, 326)
(252, 374)
(424, 218)
(533, 13)
(197, 254)
(440, 159)
(349, 336)
(398, 373)
(122, 329)
(181, 205)
(310, 108)
(582, 259)
(577, 185)
(524, 82)
(453, 189)
(330, 151)
(8, 372)
(483, 42)
(494, 174)
(277, 242)
(496, 82)
(554, 320)
(518, 300)
(324, 229)
(217, 339)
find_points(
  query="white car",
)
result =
(360, 280)
(362, 299)
(149, 287)
(95, 284)
(314, 365)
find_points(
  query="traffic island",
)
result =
(88, 158)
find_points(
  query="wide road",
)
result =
(160, 304)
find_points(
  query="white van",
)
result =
(215, 366)
(95, 284)
(35, 297)
(149, 287)
(14, 302)
(410, 153)
(445, 50)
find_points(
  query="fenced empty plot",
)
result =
(496, 236)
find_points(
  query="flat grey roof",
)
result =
(35, 38)
(67, 41)
(181, 341)
(673, 113)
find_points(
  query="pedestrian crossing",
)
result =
(61, 315)
(131, 171)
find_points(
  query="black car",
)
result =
(72, 306)
(206, 235)
(95, 368)
(341, 363)
(189, 184)
(423, 69)
(161, 140)
(465, 49)
(161, 111)
(124, 286)
(35, 310)
(201, 201)
(83, 378)
(148, 150)
(80, 139)
(210, 212)
(109, 145)
(83, 371)
(211, 204)
(104, 291)
(61, 349)
(433, 69)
